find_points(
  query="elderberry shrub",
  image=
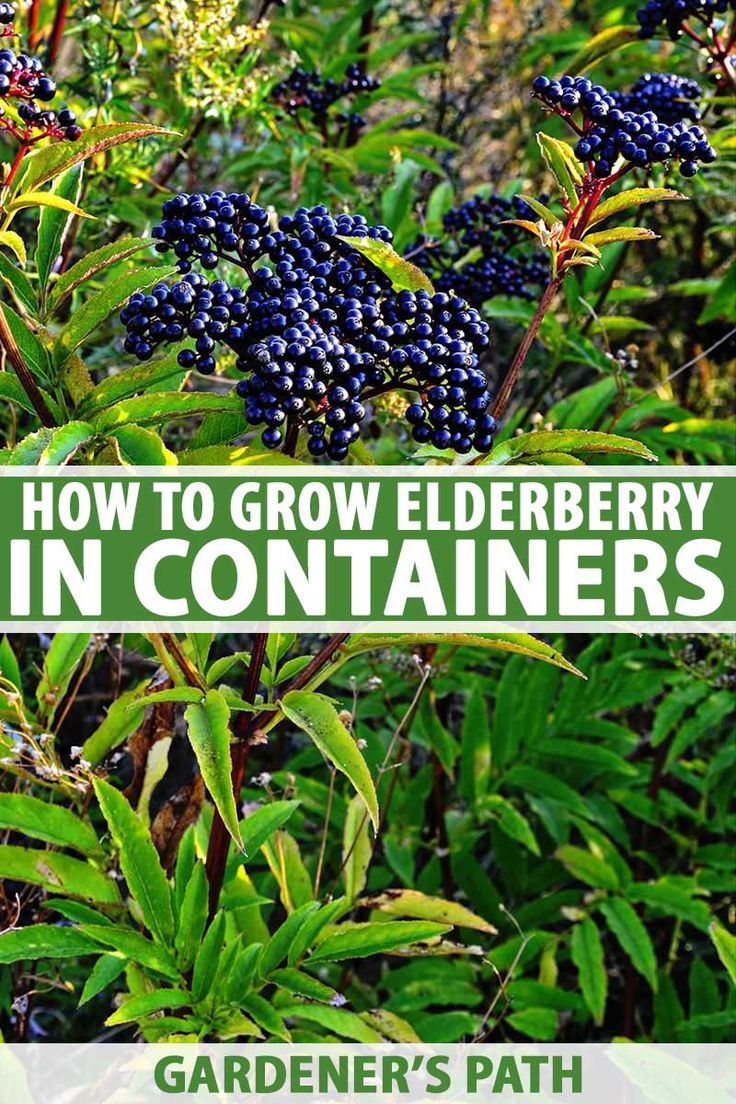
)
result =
(609, 133)
(671, 98)
(318, 331)
(23, 78)
(672, 14)
(506, 265)
(310, 92)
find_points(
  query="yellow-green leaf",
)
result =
(15, 243)
(633, 197)
(530, 445)
(48, 199)
(402, 273)
(316, 715)
(413, 905)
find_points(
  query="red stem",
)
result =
(33, 24)
(522, 352)
(17, 161)
(57, 31)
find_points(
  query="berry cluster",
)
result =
(7, 16)
(206, 228)
(608, 133)
(671, 98)
(304, 91)
(673, 13)
(499, 258)
(318, 331)
(23, 78)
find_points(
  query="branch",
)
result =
(24, 374)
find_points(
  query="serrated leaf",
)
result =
(512, 822)
(338, 1021)
(138, 1008)
(123, 385)
(316, 715)
(18, 284)
(563, 165)
(102, 304)
(62, 659)
(152, 410)
(633, 197)
(57, 873)
(15, 243)
(302, 985)
(43, 821)
(142, 447)
(64, 443)
(139, 862)
(53, 224)
(31, 347)
(208, 957)
(44, 941)
(105, 971)
(48, 199)
(362, 940)
(634, 938)
(564, 440)
(402, 273)
(92, 263)
(261, 824)
(208, 727)
(519, 643)
(134, 946)
(278, 946)
(586, 950)
(621, 233)
(47, 163)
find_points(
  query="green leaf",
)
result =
(208, 958)
(539, 1024)
(152, 410)
(57, 873)
(721, 304)
(475, 758)
(357, 849)
(302, 985)
(118, 724)
(62, 659)
(64, 443)
(31, 347)
(139, 862)
(530, 445)
(92, 263)
(633, 197)
(265, 1015)
(587, 867)
(208, 727)
(105, 971)
(725, 944)
(19, 285)
(601, 45)
(138, 1008)
(142, 447)
(44, 941)
(411, 904)
(404, 276)
(362, 940)
(549, 218)
(133, 946)
(672, 900)
(674, 706)
(151, 376)
(259, 825)
(277, 948)
(563, 165)
(9, 668)
(49, 162)
(586, 949)
(52, 823)
(54, 222)
(513, 823)
(634, 938)
(102, 304)
(314, 925)
(316, 715)
(519, 643)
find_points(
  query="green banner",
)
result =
(366, 547)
